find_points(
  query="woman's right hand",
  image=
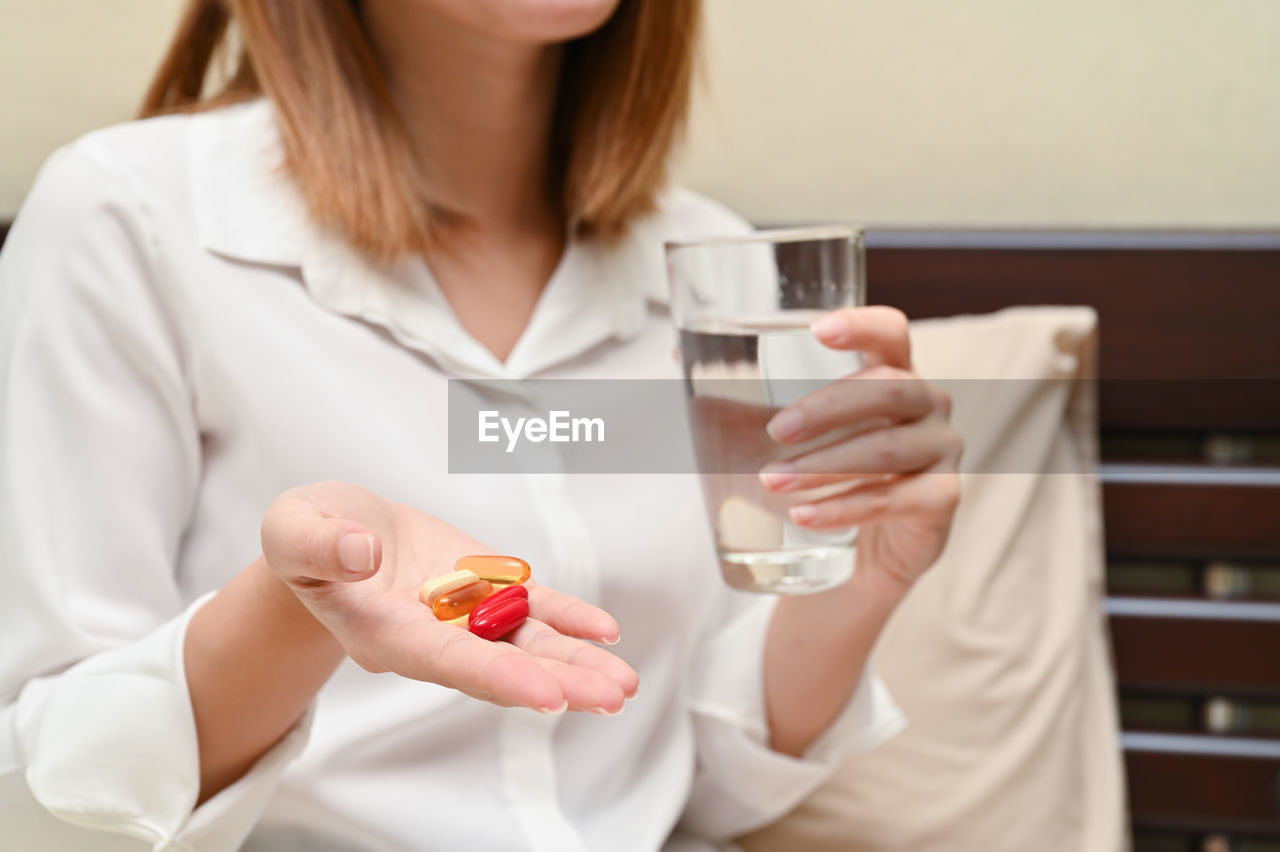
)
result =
(356, 561)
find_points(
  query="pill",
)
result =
(510, 592)
(499, 570)
(459, 601)
(437, 586)
(501, 613)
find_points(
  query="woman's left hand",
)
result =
(902, 470)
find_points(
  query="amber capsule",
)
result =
(499, 570)
(437, 586)
(458, 602)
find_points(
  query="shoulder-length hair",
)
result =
(624, 92)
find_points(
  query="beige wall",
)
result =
(893, 112)
(994, 112)
(68, 66)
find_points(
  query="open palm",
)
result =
(356, 562)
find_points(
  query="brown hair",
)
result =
(624, 92)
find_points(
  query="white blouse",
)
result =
(179, 343)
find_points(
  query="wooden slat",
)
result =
(1172, 520)
(1200, 656)
(1199, 319)
(1189, 405)
(1223, 718)
(1204, 793)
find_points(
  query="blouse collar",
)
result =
(247, 209)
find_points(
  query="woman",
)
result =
(271, 286)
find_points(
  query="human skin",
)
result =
(341, 566)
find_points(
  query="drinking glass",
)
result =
(743, 306)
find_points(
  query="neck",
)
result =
(479, 111)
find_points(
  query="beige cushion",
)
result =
(999, 656)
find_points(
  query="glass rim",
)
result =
(774, 235)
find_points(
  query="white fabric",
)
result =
(178, 345)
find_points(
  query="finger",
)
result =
(902, 449)
(454, 657)
(877, 393)
(881, 332)
(942, 401)
(934, 492)
(585, 689)
(304, 544)
(571, 616)
(541, 640)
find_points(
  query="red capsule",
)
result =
(500, 613)
(510, 592)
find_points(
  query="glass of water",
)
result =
(743, 306)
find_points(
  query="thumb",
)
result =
(303, 544)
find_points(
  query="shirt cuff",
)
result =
(113, 747)
(742, 784)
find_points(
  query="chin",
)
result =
(545, 21)
(560, 20)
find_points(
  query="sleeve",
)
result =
(99, 463)
(742, 784)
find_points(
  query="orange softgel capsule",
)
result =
(460, 601)
(454, 595)
(498, 570)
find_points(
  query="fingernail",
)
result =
(605, 640)
(786, 424)
(600, 711)
(555, 711)
(831, 327)
(776, 476)
(355, 552)
(804, 514)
